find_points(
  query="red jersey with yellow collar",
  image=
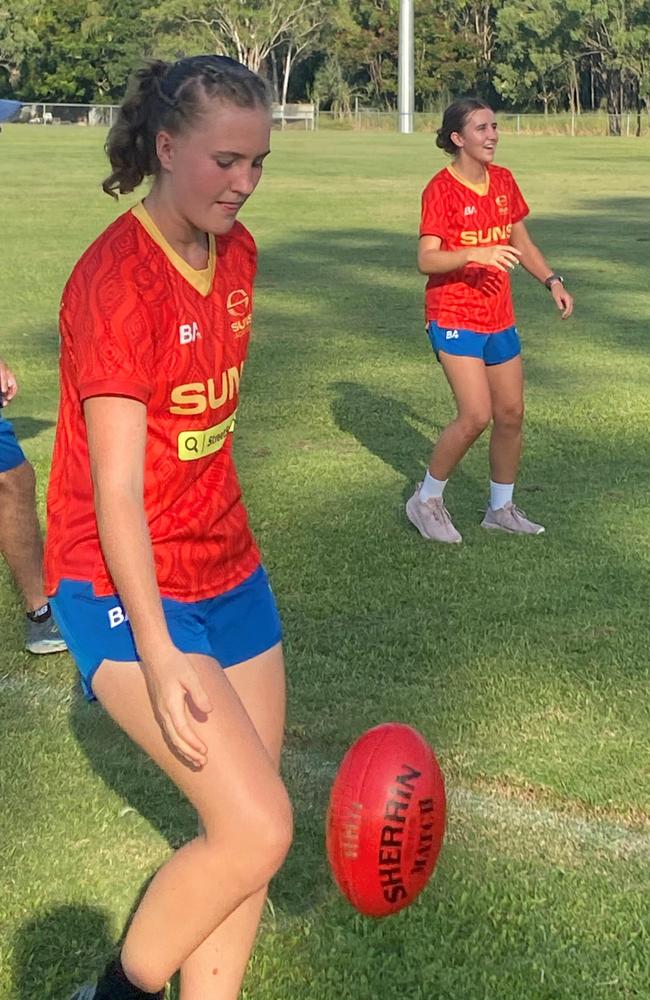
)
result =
(466, 215)
(136, 320)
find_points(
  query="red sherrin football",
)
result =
(386, 819)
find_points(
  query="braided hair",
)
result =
(172, 96)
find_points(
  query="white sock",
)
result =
(431, 487)
(500, 494)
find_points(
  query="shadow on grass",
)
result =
(383, 425)
(128, 771)
(57, 951)
(30, 427)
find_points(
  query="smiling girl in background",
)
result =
(155, 578)
(471, 235)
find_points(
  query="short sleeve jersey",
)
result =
(463, 215)
(137, 321)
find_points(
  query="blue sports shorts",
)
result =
(231, 627)
(492, 348)
(11, 454)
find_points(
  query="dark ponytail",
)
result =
(171, 96)
(454, 120)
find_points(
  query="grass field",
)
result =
(524, 661)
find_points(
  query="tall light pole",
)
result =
(405, 87)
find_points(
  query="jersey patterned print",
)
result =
(475, 297)
(137, 321)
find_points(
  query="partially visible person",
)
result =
(472, 234)
(20, 534)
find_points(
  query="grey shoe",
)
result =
(431, 518)
(43, 636)
(511, 519)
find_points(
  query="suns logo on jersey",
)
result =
(238, 305)
(196, 397)
(502, 203)
(480, 237)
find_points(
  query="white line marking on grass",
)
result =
(36, 690)
(601, 835)
(608, 837)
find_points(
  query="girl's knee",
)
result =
(273, 834)
(509, 417)
(258, 839)
(473, 423)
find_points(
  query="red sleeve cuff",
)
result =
(115, 387)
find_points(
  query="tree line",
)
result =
(528, 55)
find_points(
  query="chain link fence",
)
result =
(308, 117)
(68, 114)
(590, 123)
(284, 116)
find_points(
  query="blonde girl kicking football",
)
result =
(155, 579)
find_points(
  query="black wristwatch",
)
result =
(552, 278)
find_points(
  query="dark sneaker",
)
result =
(510, 519)
(431, 518)
(43, 636)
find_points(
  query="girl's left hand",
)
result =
(563, 300)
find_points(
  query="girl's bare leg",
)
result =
(506, 383)
(216, 969)
(244, 813)
(469, 384)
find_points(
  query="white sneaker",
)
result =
(431, 518)
(511, 519)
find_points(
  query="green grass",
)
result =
(524, 661)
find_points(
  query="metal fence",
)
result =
(284, 115)
(307, 116)
(68, 114)
(564, 123)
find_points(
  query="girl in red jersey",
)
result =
(155, 579)
(472, 234)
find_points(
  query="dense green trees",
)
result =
(525, 54)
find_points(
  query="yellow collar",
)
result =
(480, 189)
(200, 280)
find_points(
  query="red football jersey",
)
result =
(463, 215)
(136, 320)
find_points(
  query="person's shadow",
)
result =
(28, 427)
(388, 428)
(382, 424)
(54, 952)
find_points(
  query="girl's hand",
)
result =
(177, 697)
(504, 258)
(8, 384)
(563, 300)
